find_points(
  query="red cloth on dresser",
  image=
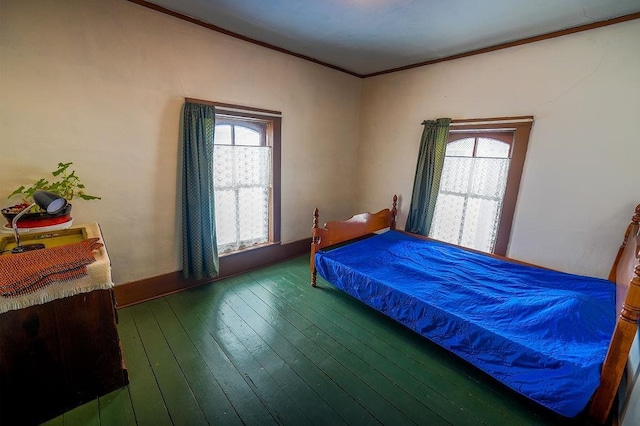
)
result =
(30, 271)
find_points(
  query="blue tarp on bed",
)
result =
(542, 333)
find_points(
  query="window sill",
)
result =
(247, 250)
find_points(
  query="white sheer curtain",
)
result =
(472, 187)
(242, 186)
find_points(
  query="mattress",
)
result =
(542, 333)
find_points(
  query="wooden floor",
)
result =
(266, 348)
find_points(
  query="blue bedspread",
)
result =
(542, 333)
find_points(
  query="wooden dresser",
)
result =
(57, 355)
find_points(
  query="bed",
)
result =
(561, 340)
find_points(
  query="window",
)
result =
(479, 186)
(246, 179)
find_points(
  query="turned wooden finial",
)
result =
(315, 239)
(631, 306)
(394, 212)
(314, 229)
(635, 221)
(636, 216)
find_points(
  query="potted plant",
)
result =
(67, 185)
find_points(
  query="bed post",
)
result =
(623, 336)
(315, 239)
(394, 213)
(635, 221)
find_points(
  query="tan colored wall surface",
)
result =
(580, 181)
(101, 83)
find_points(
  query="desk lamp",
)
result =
(48, 201)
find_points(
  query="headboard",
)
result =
(337, 232)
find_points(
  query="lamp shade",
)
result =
(51, 202)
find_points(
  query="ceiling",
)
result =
(365, 37)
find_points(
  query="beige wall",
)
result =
(580, 181)
(101, 83)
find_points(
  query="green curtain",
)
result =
(428, 172)
(199, 246)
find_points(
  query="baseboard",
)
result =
(232, 264)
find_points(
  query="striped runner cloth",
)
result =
(27, 272)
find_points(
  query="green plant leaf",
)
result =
(17, 191)
(67, 186)
(61, 168)
(88, 197)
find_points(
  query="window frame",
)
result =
(519, 144)
(273, 119)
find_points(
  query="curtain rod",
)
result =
(235, 108)
(496, 120)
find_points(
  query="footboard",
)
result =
(625, 272)
(337, 232)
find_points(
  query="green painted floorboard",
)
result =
(387, 348)
(265, 348)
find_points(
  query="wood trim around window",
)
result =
(274, 133)
(276, 167)
(234, 109)
(521, 132)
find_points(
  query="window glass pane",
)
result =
(456, 173)
(252, 165)
(225, 217)
(247, 137)
(242, 177)
(242, 183)
(460, 148)
(223, 134)
(480, 224)
(471, 191)
(492, 148)
(473, 184)
(489, 177)
(447, 219)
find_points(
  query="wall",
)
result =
(101, 83)
(580, 181)
(579, 186)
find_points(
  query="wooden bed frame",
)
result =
(625, 273)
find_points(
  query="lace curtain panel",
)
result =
(471, 193)
(242, 186)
